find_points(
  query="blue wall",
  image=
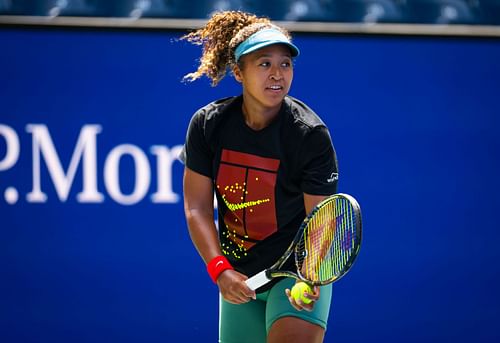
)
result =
(415, 121)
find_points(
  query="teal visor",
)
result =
(264, 38)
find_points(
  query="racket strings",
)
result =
(328, 241)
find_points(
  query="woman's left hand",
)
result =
(299, 305)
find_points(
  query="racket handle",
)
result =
(257, 280)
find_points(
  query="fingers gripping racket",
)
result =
(325, 247)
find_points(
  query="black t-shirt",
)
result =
(260, 176)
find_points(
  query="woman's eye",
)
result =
(283, 64)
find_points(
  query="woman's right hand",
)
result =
(233, 288)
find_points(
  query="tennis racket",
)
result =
(325, 247)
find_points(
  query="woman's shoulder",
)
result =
(209, 118)
(217, 108)
(301, 115)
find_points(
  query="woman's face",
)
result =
(266, 76)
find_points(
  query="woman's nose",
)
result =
(276, 74)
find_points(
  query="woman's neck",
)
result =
(258, 117)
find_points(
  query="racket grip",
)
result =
(257, 280)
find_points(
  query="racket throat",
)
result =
(258, 280)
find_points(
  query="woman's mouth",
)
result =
(275, 87)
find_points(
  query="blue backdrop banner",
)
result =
(93, 242)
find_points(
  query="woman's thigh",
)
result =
(285, 323)
(272, 316)
(242, 323)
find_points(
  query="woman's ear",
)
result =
(237, 73)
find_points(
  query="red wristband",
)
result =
(216, 266)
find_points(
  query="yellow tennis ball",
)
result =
(298, 291)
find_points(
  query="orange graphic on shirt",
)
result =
(246, 184)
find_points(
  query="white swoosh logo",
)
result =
(217, 264)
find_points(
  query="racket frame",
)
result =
(260, 279)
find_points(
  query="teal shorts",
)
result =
(251, 322)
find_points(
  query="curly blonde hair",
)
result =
(223, 32)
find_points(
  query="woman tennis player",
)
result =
(269, 159)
